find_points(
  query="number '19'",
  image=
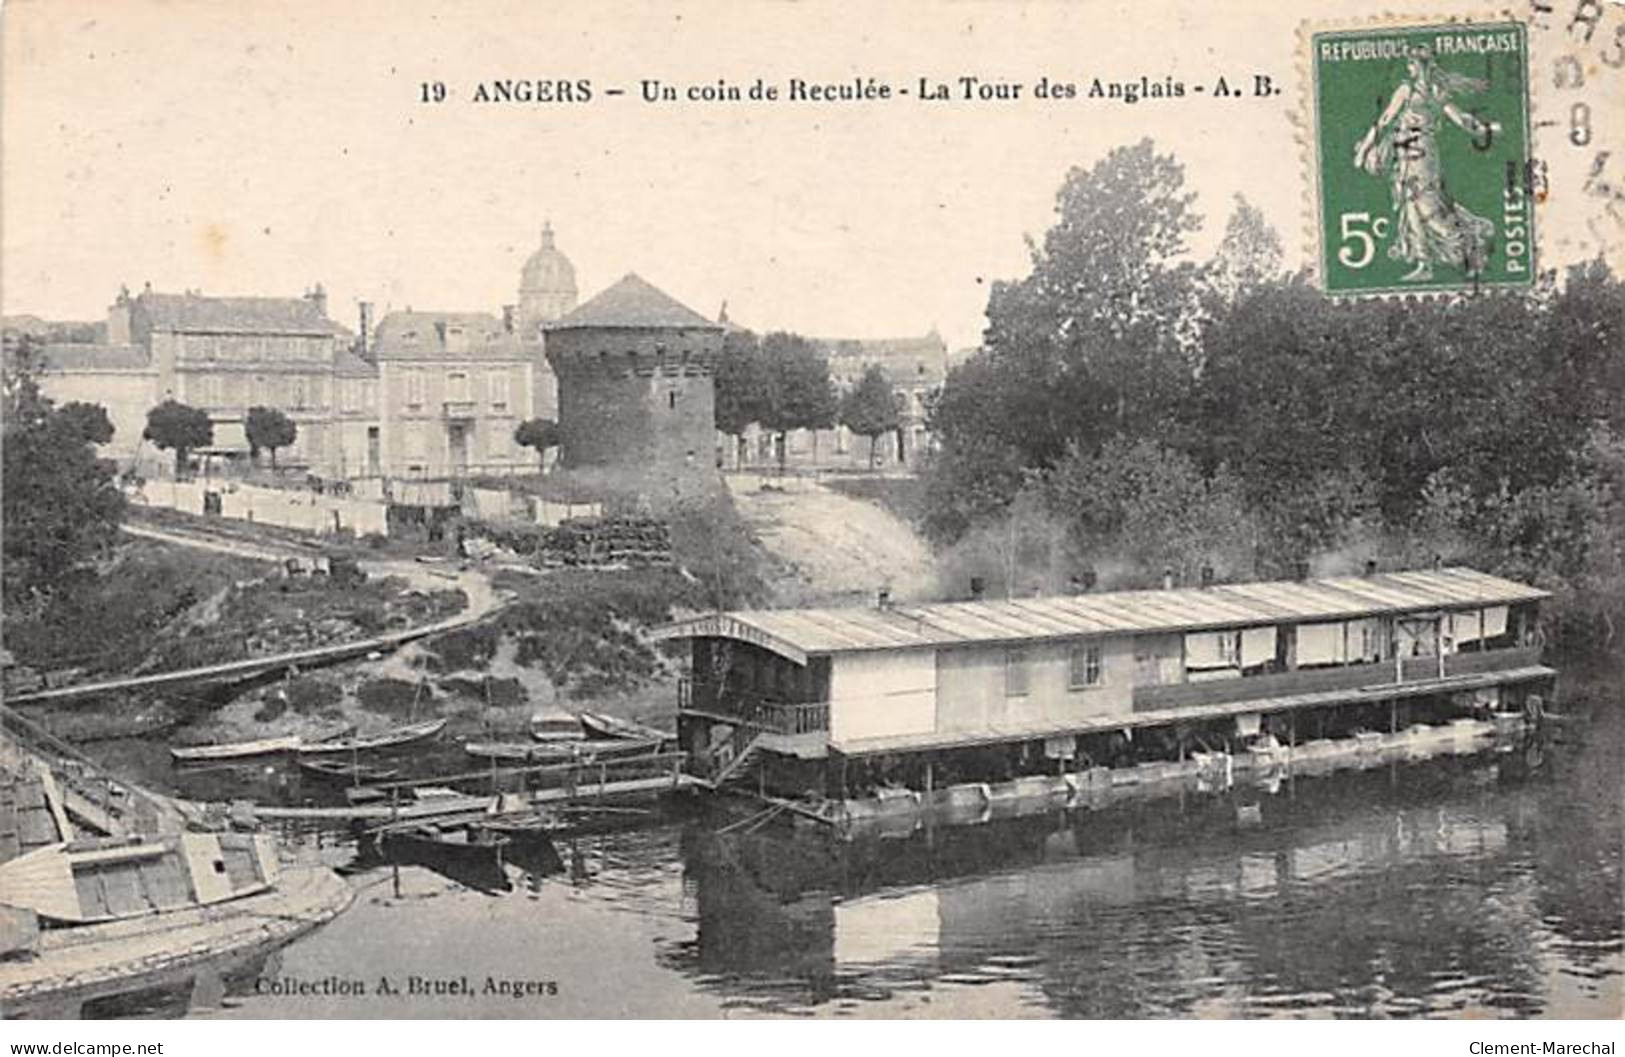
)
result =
(432, 92)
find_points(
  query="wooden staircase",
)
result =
(745, 741)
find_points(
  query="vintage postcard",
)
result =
(936, 510)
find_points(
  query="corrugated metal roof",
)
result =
(804, 632)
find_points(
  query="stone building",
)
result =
(221, 354)
(634, 374)
(452, 388)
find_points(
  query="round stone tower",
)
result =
(547, 288)
(634, 377)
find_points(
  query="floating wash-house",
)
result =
(851, 703)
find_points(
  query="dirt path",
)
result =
(842, 549)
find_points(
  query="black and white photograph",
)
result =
(812, 511)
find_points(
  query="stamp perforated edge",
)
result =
(1307, 128)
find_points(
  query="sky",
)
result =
(259, 147)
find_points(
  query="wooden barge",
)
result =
(850, 707)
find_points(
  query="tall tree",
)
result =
(1097, 341)
(738, 381)
(268, 428)
(869, 408)
(539, 434)
(1249, 255)
(796, 390)
(62, 509)
(178, 427)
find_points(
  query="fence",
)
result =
(302, 511)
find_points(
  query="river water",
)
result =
(1477, 885)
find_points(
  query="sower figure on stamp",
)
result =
(1430, 227)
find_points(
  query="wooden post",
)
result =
(1393, 715)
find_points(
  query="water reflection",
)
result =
(1462, 885)
(1465, 885)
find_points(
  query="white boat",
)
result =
(111, 878)
(239, 749)
(387, 739)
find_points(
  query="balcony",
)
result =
(1321, 680)
(795, 728)
(460, 410)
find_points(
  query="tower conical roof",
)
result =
(634, 302)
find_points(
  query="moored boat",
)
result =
(384, 740)
(560, 752)
(603, 725)
(108, 879)
(238, 749)
(556, 726)
(347, 771)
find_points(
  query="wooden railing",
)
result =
(776, 717)
(1316, 680)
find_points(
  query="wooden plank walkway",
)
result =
(234, 670)
(461, 805)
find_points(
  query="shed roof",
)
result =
(802, 633)
(634, 302)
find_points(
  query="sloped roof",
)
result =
(905, 361)
(74, 356)
(194, 313)
(349, 364)
(800, 633)
(633, 302)
(429, 336)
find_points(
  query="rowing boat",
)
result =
(604, 725)
(556, 726)
(239, 749)
(560, 752)
(387, 739)
(336, 769)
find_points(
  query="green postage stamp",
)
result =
(1422, 157)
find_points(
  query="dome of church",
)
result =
(548, 271)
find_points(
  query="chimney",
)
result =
(365, 348)
(1167, 578)
(318, 297)
(1371, 566)
(977, 586)
(508, 318)
(883, 599)
(1207, 576)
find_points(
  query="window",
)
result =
(498, 386)
(297, 392)
(1015, 673)
(457, 386)
(1084, 670)
(414, 387)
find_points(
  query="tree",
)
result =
(870, 408)
(796, 391)
(268, 428)
(1249, 255)
(177, 427)
(738, 382)
(1099, 340)
(538, 433)
(89, 422)
(62, 508)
